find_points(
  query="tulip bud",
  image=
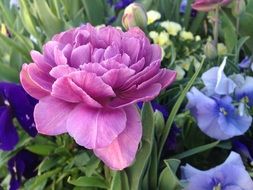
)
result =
(134, 15)
(210, 50)
(238, 8)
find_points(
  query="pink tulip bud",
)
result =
(208, 5)
(134, 15)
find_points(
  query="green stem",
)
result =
(216, 26)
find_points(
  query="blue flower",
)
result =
(244, 89)
(14, 103)
(23, 164)
(245, 63)
(216, 82)
(183, 6)
(231, 175)
(244, 146)
(216, 116)
(158, 107)
(122, 4)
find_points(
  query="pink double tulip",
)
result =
(208, 5)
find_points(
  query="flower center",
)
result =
(217, 187)
(223, 111)
(245, 99)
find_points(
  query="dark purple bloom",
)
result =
(244, 146)
(122, 4)
(14, 103)
(23, 164)
(158, 107)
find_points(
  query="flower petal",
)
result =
(121, 152)
(94, 127)
(51, 114)
(30, 85)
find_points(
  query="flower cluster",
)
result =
(88, 80)
(222, 107)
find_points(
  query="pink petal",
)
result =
(31, 86)
(40, 61)
(81, 55)
(138, 66)
(51, 114)
(165, 77)
(95, 128)
(116, 77)
(121, 152)
(64, 88)
(97, 56)
(61, 70)
(134, 95)
(94, 68)
(59, 57)
(92, 84)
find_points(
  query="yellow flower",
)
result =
(186, 35)
(197, 38)
(161, 39)
(153, 16)
(222, 49)
(4, 30)
(172, 27)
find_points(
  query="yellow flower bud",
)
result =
(186, 35)
(153, 16)
(172, 27)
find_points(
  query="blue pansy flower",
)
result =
(216, 116)
(14, 103)
(23, 164)
(216, 82)
(231, 175)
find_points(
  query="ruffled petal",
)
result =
(94, 127)
(121, 152)
(51, 114)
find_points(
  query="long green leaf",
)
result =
(175, 110)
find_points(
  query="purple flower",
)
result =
(14, 102)
(208, 5)
(88, 81)
(244, 89)
(122, 4)
(246, 63)
(23, 164)
(156, 106)
(231, 175)
(216, 116)
(216, 82)
(244, 146)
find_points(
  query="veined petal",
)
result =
(95, 127)
(121, 152)
(51, 114)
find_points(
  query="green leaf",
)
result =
(95, 11)
(41, 149)
(8, 73)
(168, 179)
(38, 182)
(175, 110)
(136, 171)
(89, 182)
(49, 21)
(196, 150)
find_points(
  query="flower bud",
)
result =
(238, 8)
(134, 15)
(210, 50)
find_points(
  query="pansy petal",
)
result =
(8, 133)
(95, 127)
(121, 152)
(51, 114)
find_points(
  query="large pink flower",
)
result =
(88, 80)
(208, 5)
